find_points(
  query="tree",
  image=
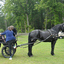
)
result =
(2, 22)
(53, 11)
(27, 15)
(20, 13)
(18, 10)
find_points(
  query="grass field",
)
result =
(41, 53)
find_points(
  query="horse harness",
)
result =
(52, 33)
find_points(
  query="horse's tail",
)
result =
(29, 38)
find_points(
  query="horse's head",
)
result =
(62, 27)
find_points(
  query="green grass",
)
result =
(41, 53)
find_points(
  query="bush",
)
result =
(1, 30)
(30, 28)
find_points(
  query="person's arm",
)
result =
(3, 38)
(3, 33)
(15, 31)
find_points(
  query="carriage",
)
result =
(5, 48)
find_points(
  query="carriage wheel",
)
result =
(5, 51)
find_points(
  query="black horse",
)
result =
(49, 35)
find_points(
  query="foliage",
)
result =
(53, 11)
(2, 22)
(30, 28)
(39, 14)
(1, 30)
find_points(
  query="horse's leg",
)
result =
(30, 50)
(52, 47)
(30, 44)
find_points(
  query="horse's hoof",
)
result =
(52, 54)
(30, 55)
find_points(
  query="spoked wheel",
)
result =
(6, 53)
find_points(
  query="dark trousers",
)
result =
(10, 44)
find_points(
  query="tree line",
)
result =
(27, 15)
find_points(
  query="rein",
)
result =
(33, 43)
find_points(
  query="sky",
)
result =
(1, 4)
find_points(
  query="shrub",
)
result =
(1, 30)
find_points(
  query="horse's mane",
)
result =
(56, 26)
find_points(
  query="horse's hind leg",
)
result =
(30, 50)
(30, 44)
(31, 41)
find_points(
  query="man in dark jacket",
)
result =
(14, 30)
